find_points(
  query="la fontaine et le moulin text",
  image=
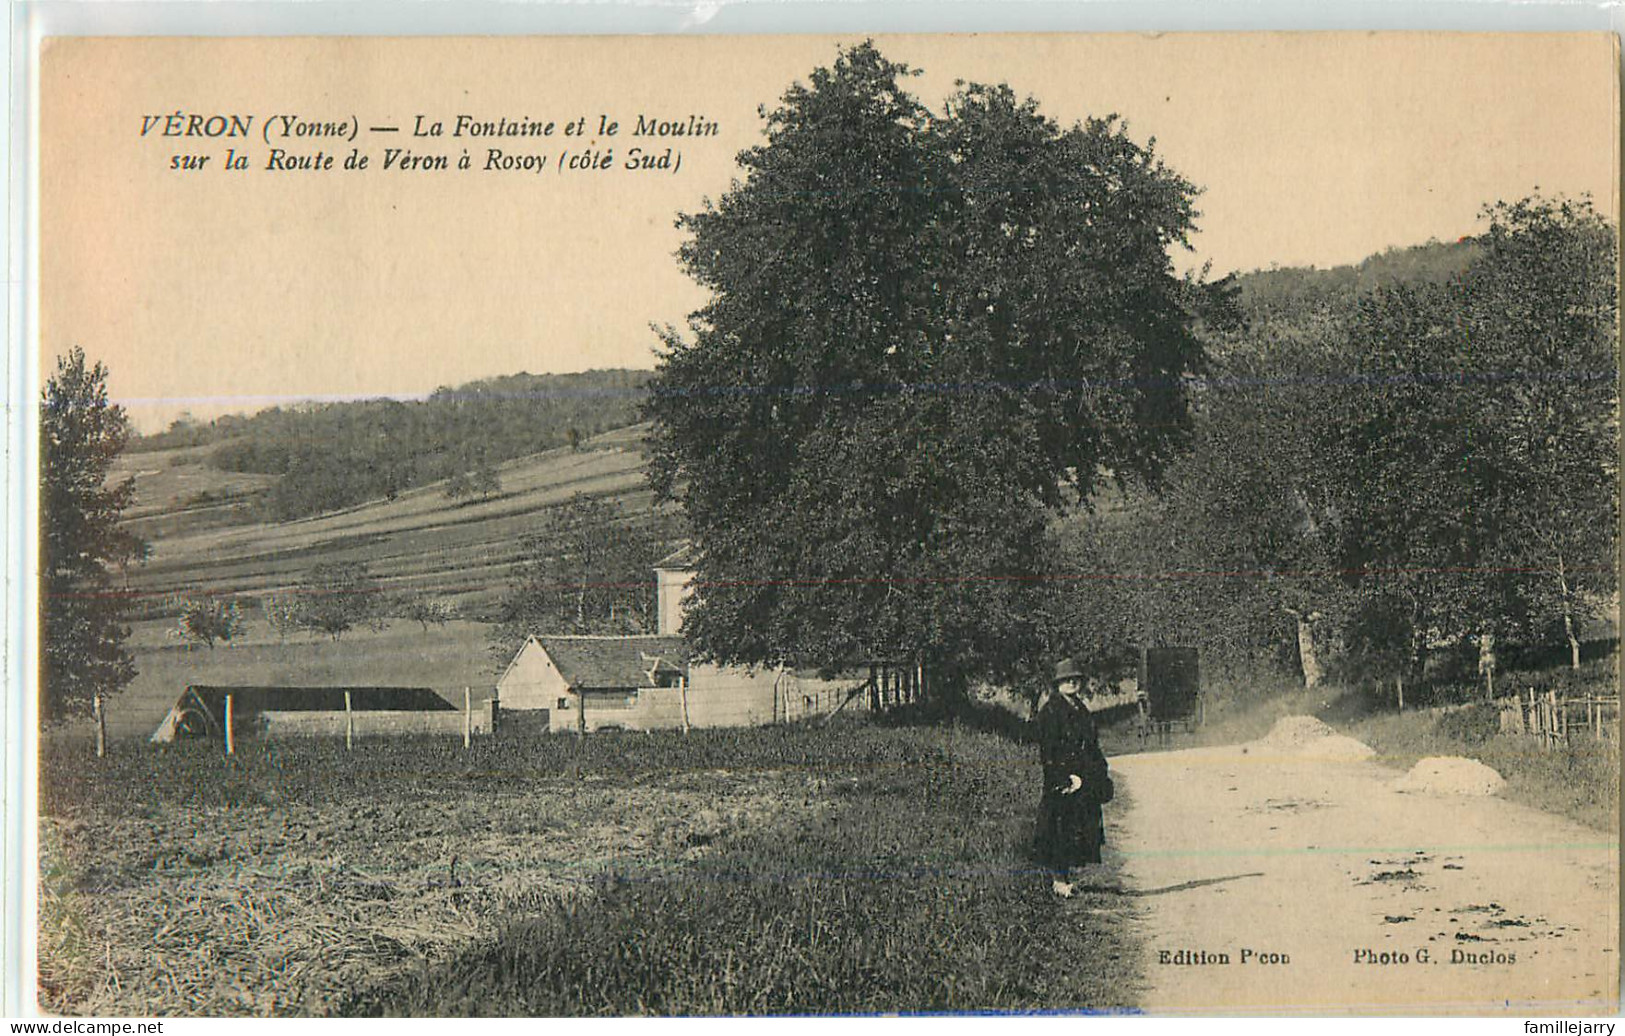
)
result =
(426, 144)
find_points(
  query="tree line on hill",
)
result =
(335, 455)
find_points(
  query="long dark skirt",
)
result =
(1070, 832)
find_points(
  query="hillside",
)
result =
(310, 459)
(208, 509)
(459, 551)
(421, 540)
(210, 533)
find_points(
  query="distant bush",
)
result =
(1471, 724)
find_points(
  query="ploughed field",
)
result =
(847, 868)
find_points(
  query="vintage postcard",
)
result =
(812, 525)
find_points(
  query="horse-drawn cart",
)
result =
(1170, 691)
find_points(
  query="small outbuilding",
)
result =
(589, 683)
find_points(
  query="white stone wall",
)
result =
(374, 722)
(533, 682)
(671, 587)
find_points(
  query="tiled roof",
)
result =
(614, 662)
(250, 700)
(301, 699)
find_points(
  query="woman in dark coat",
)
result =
(1076, 782)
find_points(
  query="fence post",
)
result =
(231, 745)
(682, 694)
(1399, 686)
(349, 724)
(468, 717)
(101, 726)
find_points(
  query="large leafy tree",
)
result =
(926, 331)
(1543, 331)
(1429, 458)
(1238, 550)
(1480, 463)
(1410, 475)
(1253, 513)
(82, 638)
(1464, 441)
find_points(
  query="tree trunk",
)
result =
(1417, 665)
(1312, 671)
(1568, 615)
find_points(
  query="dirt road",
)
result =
(1268, 882)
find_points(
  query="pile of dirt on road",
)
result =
(1309, 738)
(1451, 775)
(1290, 731)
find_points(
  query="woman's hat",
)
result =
(1067, 669)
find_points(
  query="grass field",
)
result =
(1579, 780)
(773, 870)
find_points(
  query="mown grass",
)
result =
(910, 891)
(796, 869)
(320, 770)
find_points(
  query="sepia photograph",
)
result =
(823, 525)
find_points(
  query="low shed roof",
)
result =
(249, 702)
(614, 662)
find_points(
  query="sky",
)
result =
(212, 290)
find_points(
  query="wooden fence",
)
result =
(1556, 720)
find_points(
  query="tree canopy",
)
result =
(1428, 460)
(1488, 462)
(587, 568)
(926, 330)
(82, 639)
(337, 596)
(208, 620)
